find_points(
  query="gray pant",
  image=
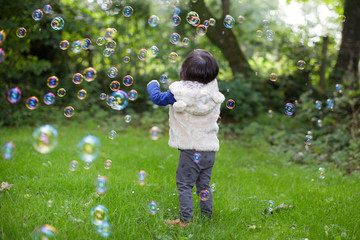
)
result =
(190, 172)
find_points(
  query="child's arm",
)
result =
(158, 97)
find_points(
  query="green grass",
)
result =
(247, 174)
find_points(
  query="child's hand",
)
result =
(153, 81)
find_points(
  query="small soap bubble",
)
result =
(218, 119)
(128, 80)
(108, 164)
(153, 208)
(269, 35)
(270, 113)
(265, 23)
(126, 59)
(112, 134)
(61, 92)
(176, 11)
(32, 102)
(49, 203)
(318, 104)
(109, 34)
(270, 205)
(69, 111)
(230, 104)
(14, 95)
(163, 78)
(338, 88)
(57, 23)
(196, 157)
(112, 72)
(154, 133)
(241, 19)
(88, 148)
(37, 14)
(174, 38)
(99, 214)
(321, 173)
(45, 138)
(153, 21)
(201, 30)
(204, 195)
(102, 96)
(104, 229)
(7, 150)
(229, 21)
(212, 21)
(142, 54)
(107, 52)
(2, 55)
(330, 104)
(212, 187)
(101, 185)
(342, 18)
(106, 5)
(273, 77)
(141, 177)
(301, 64)
(46, 232)
(110, 44)
(186, 41)
(175, 20)
(110, 100)
(128, 11)
(49, 98)
(47, 9)
(132, 94)
(127, 118)
(173, 56)
(86, 43)
(89, 74)
(192, 18)
(52, 82)
(64, 44)
(258, 33)
(289, 109)
(73, 165)
(153, 51)
(21, 32)
(319, 123)
(308, 138)
(81, 94)
(114, 85)
(87, 165)
(77, 78)
(76, 47)
(100, 41)
(2, 36)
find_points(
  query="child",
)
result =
(194, 110)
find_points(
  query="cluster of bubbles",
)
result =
(100, 220)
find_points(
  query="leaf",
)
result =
(5, 186)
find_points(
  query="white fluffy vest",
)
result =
(193, 116)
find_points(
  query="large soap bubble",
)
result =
(45, 139)
(89, 148)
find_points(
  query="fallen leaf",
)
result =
(5, 186)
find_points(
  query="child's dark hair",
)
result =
(199, 66)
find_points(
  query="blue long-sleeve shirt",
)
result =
(158, 97)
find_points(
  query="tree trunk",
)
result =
(348, 58)
(323, 62)
(224, 38)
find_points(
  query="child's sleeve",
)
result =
(158, 97)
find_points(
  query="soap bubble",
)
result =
(110, 100)
(176, 11)
(153, 51)
(175, 20)
(163, 78)
(2, 55)
(114, 85)
(45, 138)
(127, 118)
(49, 98)
(204, 195)
(21, 32)
(289, 109)
(121, 100)
(186, 41)
(102, 96)
(112, 72)
(110, 44)
(128, 11)
(308, 138)
(174, 38)
(61, 92)
(173, 56)
(69, 111)
(46, 232)
(196, 157)
(330, 104)
(14, 95)
(126, 59)
(52, 82)
(7, 150)
(64, 44)
(153, 208)
(265, 23)
(128, 80)
(107, 52)
(212, 21)
(32, 102)
(132, 94)
(269, 35)
(241, 19)
(47, 9)
(142, 54)
(87, 165)
(88, 148)
(273, 77)
(104, 229)
(229, 21)
(321, 173)
(89, 74)
(154, 133)
(338, 88)
(230, 104)
(77, 78)
(100, 41)
(86, 43)
(301, 64)
(141, 177)
(76, 47)
(153, 21)
(74, 165)
(101, 185)
(106, 5)
(318, 104)
(319, 123)
(37, 14)
(192, 18)
(258, 33)
(81, 94)
(50, 203)
(212, 187)
(112, 134)
(2, 36)
(201, 30)
(109, 34)
(99, 215)
(270, 205)
(57, 23)
(108, 164)
(342, 18)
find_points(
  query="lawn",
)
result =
(247, 175)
